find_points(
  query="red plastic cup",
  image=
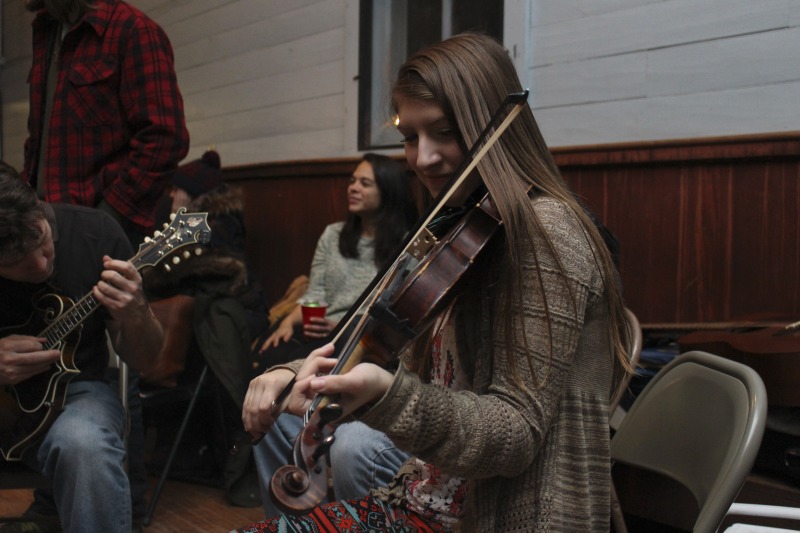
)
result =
(311, 309)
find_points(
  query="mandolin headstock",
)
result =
(184, 229)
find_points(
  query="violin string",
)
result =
(367, 302)
(355, 334)
(438, 213)
(441, 211)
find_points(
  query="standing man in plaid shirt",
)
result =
(106, 125)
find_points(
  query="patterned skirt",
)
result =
(364, 515)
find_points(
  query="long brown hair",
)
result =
(468, 76)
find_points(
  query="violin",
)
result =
(399, 304)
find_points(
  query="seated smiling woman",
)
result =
(381, 210)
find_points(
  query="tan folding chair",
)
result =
(686, 446)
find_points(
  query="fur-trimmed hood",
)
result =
(209, 271)
(220, 266)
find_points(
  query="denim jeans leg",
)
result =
(362, 458)
(274, 451)
(83, 454)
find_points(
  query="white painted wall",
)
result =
(270, 80)
(630, 70)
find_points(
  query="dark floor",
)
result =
(182, 507)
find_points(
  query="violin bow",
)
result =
(500, 121)
(298, 487)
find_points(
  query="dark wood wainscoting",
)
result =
(709, 228)
(287, 205)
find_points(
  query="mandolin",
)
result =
(27, 409)
(772, 350)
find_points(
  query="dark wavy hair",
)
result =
(20, 211)
(396, 215)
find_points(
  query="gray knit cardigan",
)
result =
(537, 456)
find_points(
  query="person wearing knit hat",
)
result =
(198, 186)
(230, 309)
(195, 178)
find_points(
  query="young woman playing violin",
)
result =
(503, 402)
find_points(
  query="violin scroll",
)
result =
(300, 487)
(295, 491)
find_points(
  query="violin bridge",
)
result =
(422, 244)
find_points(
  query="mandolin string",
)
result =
(67, 322)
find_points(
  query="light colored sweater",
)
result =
(339, 280)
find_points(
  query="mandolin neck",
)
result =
(68, 321)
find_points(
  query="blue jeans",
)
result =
(361, 458)
(83, 454)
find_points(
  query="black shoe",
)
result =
(245, 492)
(29, 524)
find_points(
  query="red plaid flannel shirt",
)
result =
(117, 129)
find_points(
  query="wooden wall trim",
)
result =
(292, 169)
(708, 227)
(752, 147)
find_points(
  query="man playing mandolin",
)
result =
(48, 253)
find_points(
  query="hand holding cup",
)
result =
(315, 326)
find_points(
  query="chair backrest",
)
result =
(684, 449)
(284, 306)
(175, 314)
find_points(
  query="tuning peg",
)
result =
(172, 217)
(323, 448)
(167, 267)
(147, 239)
(186, 254)
(157, 234)
(198, 251)
(329, 413)
(165, 225)
(176, 260)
